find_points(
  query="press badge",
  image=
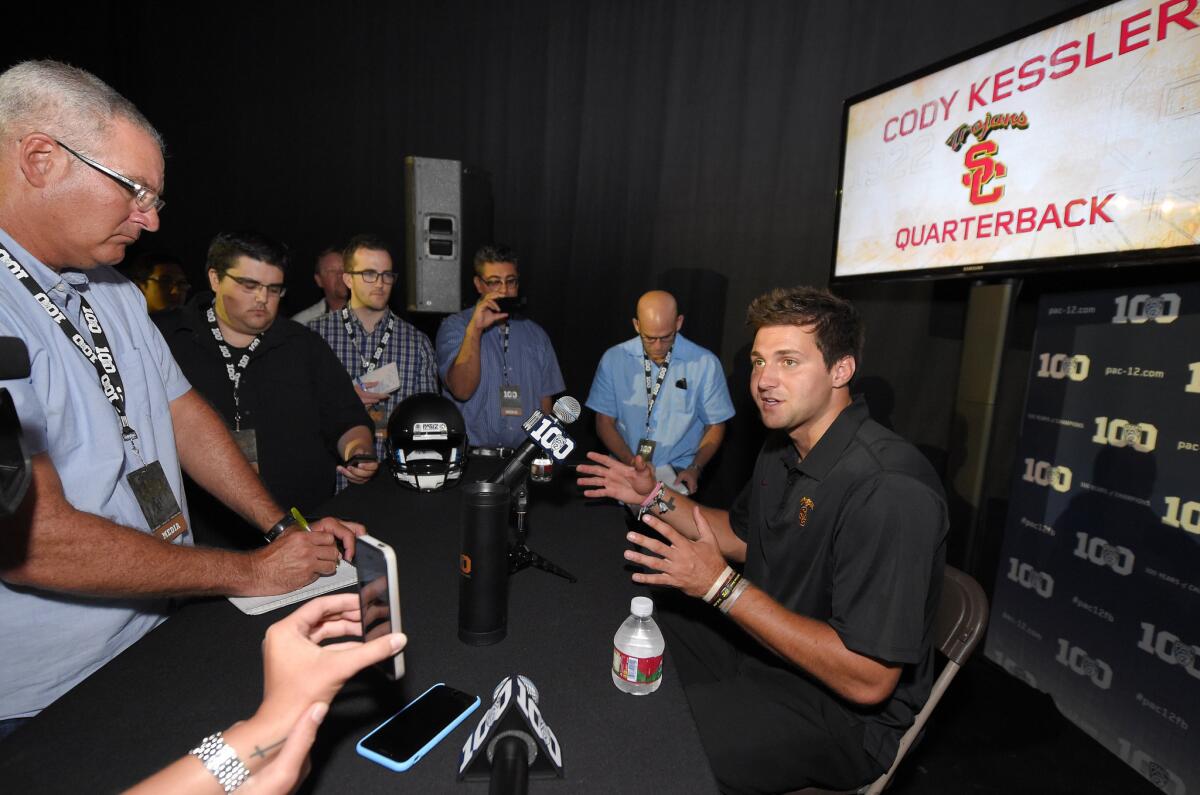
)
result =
(645, 449)
(510, 401)
(158, 503)
(247, 442)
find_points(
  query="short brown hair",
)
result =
(367, 241)
(834, 321)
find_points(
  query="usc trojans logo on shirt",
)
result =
(806, 505)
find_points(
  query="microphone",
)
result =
(512, 741)
(545, 434)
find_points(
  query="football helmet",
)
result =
(426, 442)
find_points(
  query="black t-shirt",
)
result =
(294, 393)
(853, 535)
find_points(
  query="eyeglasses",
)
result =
(251, 286)
(145, 199)
(167, 283)
(651, 340)
(495, 283)
(369, 276)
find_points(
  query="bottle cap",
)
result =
(641, 606)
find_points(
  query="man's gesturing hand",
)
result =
(608, 477)
(690, 566)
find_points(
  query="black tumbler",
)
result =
(483, 565)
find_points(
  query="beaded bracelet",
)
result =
(222, 761)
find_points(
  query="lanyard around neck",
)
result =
(653, 387)
(233, 369)
(373, 362)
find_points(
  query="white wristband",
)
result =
(716, 586)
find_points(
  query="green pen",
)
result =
(300, 520)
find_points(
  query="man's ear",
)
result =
(678, 323)
(843, 371)
(636, 328)
(213, 279)
(35, 153)
(317, 279)
(480, 286)
(348, 280)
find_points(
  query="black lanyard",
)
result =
(232, 369)
(373, 362)
(99, 353)
(653, 387)
(504, 332)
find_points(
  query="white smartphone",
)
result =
(379, 596)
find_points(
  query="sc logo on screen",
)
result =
(1080, 662)
(1043, 473)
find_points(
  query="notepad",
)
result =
(345, 575)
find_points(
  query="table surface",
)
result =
(202, 669)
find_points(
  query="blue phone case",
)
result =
(399, 767)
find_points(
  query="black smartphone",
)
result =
(379, 596)
(359, 458)
(513, 305)
(400, 741)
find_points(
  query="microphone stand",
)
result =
(520, 556)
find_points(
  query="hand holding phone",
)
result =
(299, 672)
(400, 741)
(379, 596)
(360, 458)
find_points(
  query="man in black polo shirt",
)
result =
(285, 396)
(837, 546)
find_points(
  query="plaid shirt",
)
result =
(409, 348)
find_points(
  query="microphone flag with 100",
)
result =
(514, 715)
(546, 434)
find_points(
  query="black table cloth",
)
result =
(202, 669)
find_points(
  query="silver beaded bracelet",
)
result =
(222, 761)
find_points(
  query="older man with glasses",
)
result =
(388, 358)
(102, 540)
(661, 396)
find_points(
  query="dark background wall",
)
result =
(631, 144)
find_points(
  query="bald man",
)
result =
(662, 396)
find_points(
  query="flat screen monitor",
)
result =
(1075, 142)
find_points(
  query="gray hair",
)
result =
(64, 101)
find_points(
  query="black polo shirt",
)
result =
(294, 393)
(854, 534)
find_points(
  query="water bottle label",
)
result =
(639, 670)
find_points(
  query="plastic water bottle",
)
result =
(638, 651)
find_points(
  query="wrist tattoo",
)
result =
(262, 752)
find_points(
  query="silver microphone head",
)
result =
(567, 409)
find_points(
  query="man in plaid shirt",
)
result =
(368, 337)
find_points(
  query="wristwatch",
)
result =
(277, 529)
